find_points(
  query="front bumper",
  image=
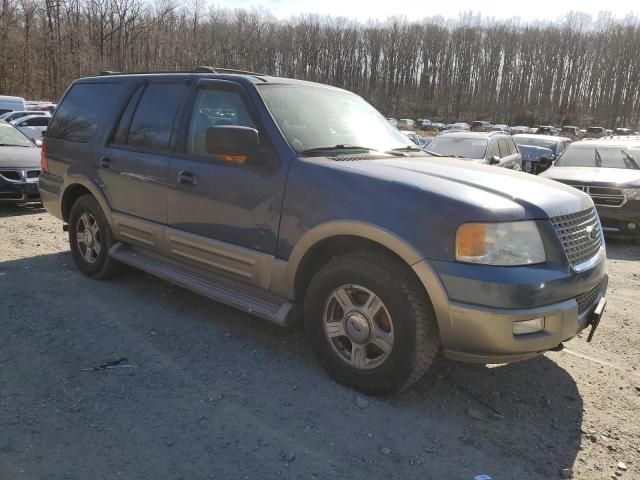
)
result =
(18, 192)
(486, 334)
(476, 315)
(616, 221)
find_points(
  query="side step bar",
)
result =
(263, 306)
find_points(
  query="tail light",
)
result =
(44, 161)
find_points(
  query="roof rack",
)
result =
(198, 69)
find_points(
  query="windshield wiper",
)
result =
(631, 159)
(335, 147)
(598, 158)
(12, 145)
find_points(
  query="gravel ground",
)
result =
(208, 392)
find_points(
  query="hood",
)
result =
(502, 193)
(20, 157)
(594, 176)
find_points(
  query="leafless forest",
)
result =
(577, 70)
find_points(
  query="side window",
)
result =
(122, 132)
(493, 149)
(154, 116)
(504, 149)
(38, 122)
(213, 108)
(81, 110)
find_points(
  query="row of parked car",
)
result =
(22, 124)
(485, 126)
(30, 117)
(606, 168)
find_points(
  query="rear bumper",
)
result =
(50, 188)
(475, 317)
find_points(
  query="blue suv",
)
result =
(298, 201)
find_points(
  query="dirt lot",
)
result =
(207, 392)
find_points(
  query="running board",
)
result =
(263, 306)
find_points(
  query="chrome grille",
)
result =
(580, 234)
(604, 196)
(586, 300)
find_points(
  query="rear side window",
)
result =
(37, 122)
(81, 110)
(504, 148)
(493, 149)
(151, 124)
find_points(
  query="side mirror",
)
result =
(232, 143)
(495, 160)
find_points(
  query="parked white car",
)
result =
(33, 126)
(13, 116)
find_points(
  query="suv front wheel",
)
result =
(370, 322)
(90, 238)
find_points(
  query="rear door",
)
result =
(224, 216)
(134, 165)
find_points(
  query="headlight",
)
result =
(508, 244)
(632, 193)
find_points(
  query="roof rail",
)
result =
(198, 69)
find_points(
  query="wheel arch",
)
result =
(77, 187)
(326, 241)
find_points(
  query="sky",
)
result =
(416, 10)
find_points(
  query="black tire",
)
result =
(102, 265)
(416, 342)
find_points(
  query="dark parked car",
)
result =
(481, 126)
(596, 132)
(19, 166)
(547, 130)
(493, 148)
(609, 171)
(536, 160)
(306, 203)
(570, 130)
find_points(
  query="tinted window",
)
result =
(79, 114)
(213, 108)
(37, 122)
(122, 132)
(152, 123)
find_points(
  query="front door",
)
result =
(222, 215)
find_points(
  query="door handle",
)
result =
(187, 178)
(105, 162)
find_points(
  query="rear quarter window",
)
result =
(78, 116)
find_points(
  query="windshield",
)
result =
(10, 137)
(464, 147)
(313, 117)
(601, 157)
(536, 142)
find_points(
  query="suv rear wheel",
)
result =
(90, 238)
(370, 322)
